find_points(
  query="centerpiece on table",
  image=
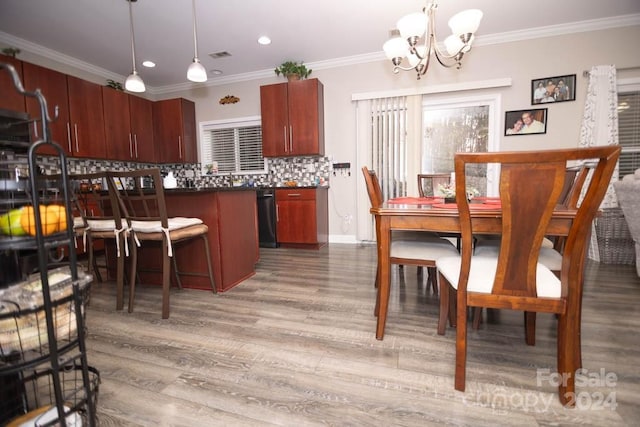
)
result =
(448, 192)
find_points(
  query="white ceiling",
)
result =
(94, 34)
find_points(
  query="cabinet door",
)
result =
(142, 129)
(297, 221)
(11, 99)
(174, 131)
(117, 124)
(86, 118)
(275, 121)
(53, 86)
(306, 117)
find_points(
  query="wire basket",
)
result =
(34, 401)
(615, 244)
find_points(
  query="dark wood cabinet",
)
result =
(142, 129)
(86, 118)
(11, 99)
(292, 118)
(174, 131)
(128, 126)
(302, 217)
(117, 124)
(53, 86)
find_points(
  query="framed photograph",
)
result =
(553, 89)
(525, 122)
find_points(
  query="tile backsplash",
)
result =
(306, 171)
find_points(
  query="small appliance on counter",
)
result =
(170, 181)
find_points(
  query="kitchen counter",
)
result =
(231, 215)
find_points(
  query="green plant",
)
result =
(288, 68)
(11, 51)
(115, 85)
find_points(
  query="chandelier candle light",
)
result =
(420, 26)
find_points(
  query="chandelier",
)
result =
(415, 39)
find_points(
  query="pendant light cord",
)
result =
(133, 37)
(195, 31)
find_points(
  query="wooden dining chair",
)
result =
(428, 184)
(146, 214)
(418, 250)
(96, 223)
(514, 279)
(551, 251)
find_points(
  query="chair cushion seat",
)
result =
(426, 249)
(101, 224)
(156, 226)
(548, 257)
(175, 234)
(483, 271)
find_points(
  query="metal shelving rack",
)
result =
(45, 377)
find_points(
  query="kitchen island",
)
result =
(231, 215)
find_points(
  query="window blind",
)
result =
(236, 146)
(629, 132)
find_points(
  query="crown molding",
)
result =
(482, 40)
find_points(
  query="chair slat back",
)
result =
(91, 200)
(531, 183)
(136, 201)
(373, 187)
(428, 184)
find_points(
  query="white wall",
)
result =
(520, 61)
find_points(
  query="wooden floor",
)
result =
(295, 346)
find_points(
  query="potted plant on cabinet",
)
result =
(293, 70)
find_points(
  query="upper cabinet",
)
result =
(292, 118)
(53, 86)
(10, 99)
(174, 131)
(141, 111)
(86, 118)
(128, 126)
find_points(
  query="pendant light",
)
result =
(134, 82)
(196, 71)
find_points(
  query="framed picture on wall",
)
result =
(553, 89)
(525, 122)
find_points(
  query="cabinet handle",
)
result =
(135, 143)
(290, 138)
(277, 213)
(179, 147)
(75, 129)
(35, 129)
(294, 195)
(284, 132)
(69, 136)
(130, 146)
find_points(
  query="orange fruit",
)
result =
(59, 212)
(49, 220)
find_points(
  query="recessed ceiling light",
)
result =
(215, 72)
(149, 64)
(264, 40)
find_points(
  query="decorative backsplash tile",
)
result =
(306, 171)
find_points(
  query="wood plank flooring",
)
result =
(295, 346)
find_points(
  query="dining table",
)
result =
(433, 214)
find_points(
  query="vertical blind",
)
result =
(389, 127)
(629, 132)
(235, 147)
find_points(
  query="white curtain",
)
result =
(600, 127)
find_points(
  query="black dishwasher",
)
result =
(267, 217)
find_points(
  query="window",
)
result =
(629, 132)
(236, 145)
(460, 126)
